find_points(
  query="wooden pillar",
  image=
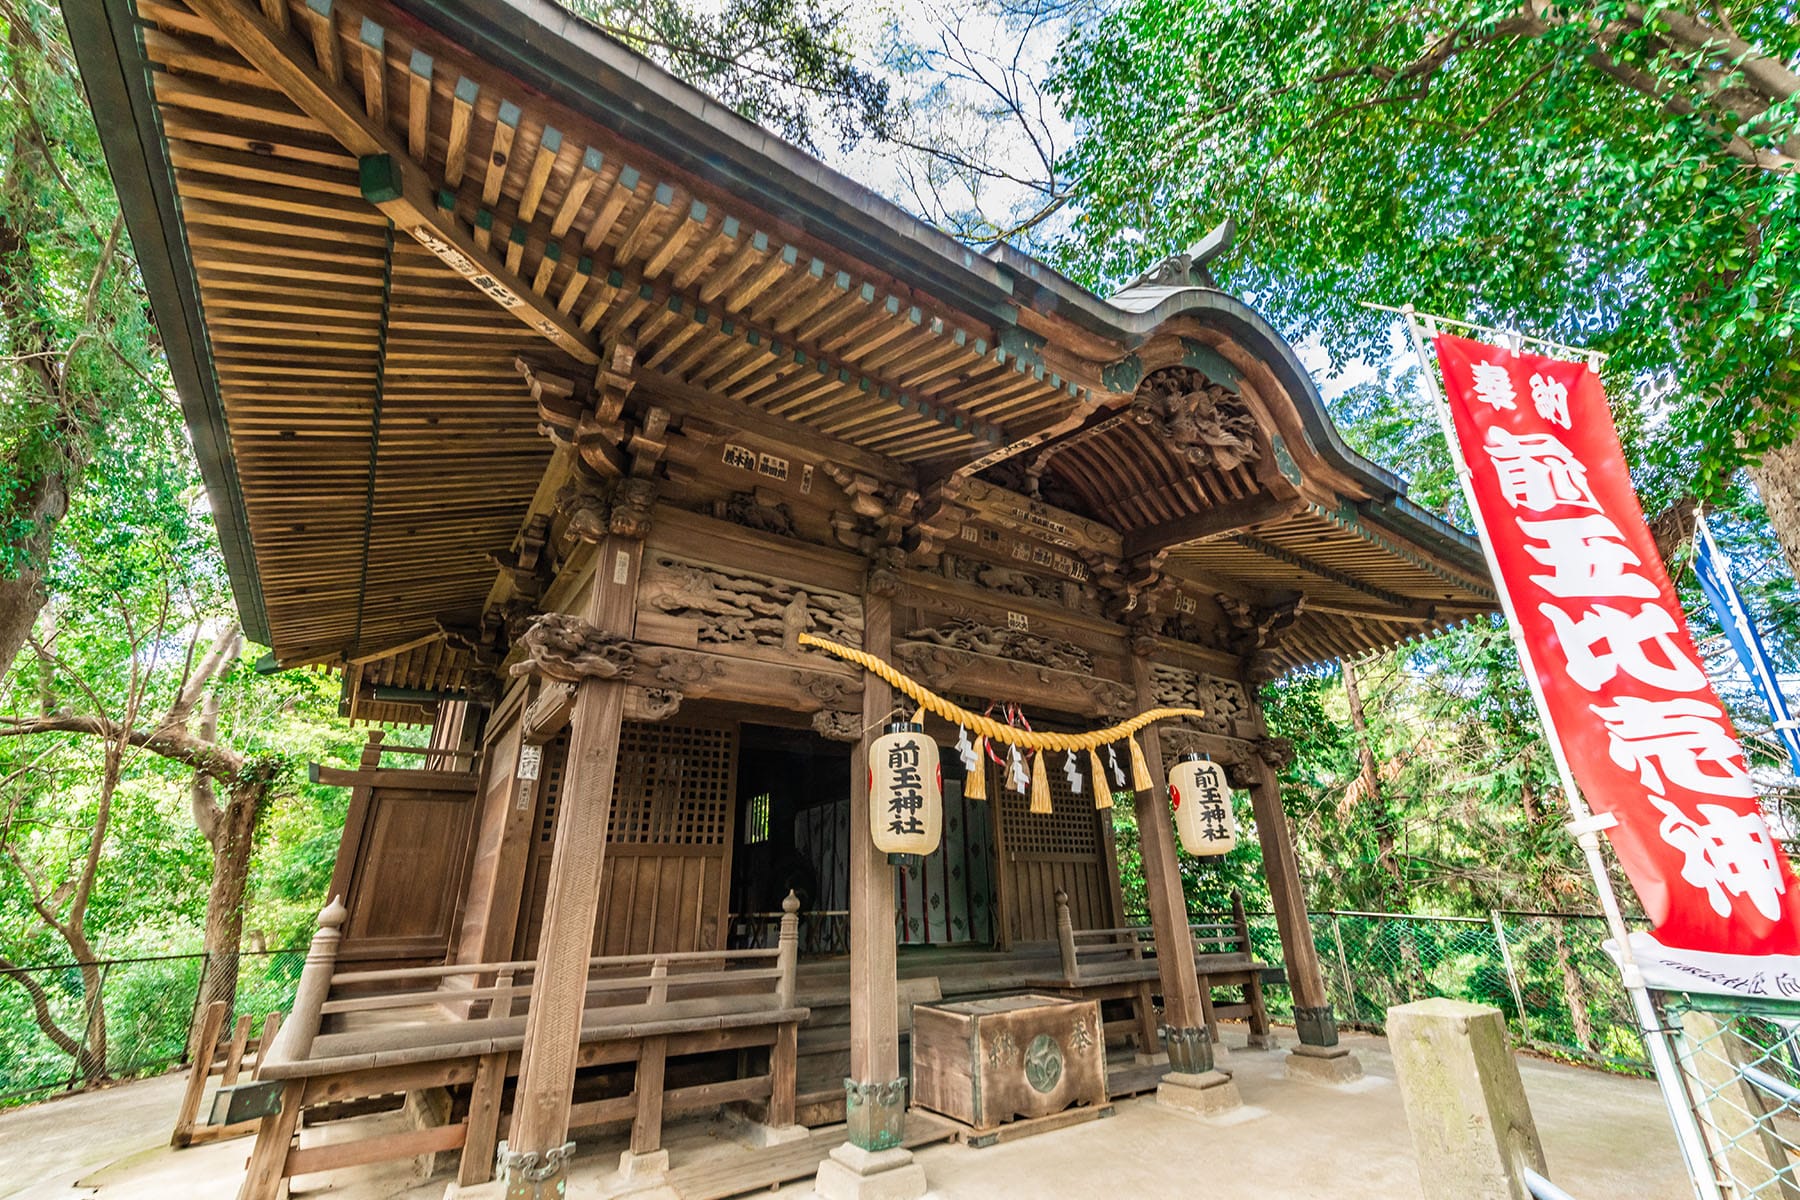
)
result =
(1318, 1057)
(873, 1163)
(875, 1098)
(533, 1160)
(1289, 898)
(1190, 1050)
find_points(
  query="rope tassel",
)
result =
(975, 782)
(1040, 786)
(1102, 785)
(1140, 767)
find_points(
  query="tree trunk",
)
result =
(1395, 893)
(233, 838)
(1574, 988)
(1777, 478)
(22, 593)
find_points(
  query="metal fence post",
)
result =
(187, 1050)
(1512, 976)
(1337, 934)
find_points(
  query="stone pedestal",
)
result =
(852, 1173)
(758, 1133)
(1263, 1041)
(653, 1164)
(1206, 1094)
(1323, 1064)
(1471, 1125)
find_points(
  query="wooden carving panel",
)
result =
(1223, 700)
(686, 603)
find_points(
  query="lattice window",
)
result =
(1070, 829)
(756, 820)
(673, 785)
(550, 781)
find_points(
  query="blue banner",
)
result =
(1728, 606)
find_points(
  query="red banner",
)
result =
(1643, 732)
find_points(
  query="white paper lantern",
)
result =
(906, 791)
(1202, 801)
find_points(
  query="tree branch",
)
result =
(178, 745)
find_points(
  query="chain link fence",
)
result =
(1547, 972)
(140, 1026)
(1739, 1060)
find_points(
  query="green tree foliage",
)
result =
(1617, 175)
(79, 347)
(789, 65)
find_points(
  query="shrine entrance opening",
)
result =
(793, 809)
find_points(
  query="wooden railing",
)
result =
(1083, 951)
(495, 989)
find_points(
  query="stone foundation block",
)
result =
(852, 1173)
(1331, 1065)
(651, 1165)
(1263, 1041)
(1207, 1094)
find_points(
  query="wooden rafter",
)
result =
(386, 180)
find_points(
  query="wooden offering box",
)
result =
(987, 1062)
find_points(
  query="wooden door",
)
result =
(666, 882)
(1065, 848)
(664, 886)
(401, 867)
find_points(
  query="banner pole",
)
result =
(1583, 824)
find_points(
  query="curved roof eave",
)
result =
(1147, 310)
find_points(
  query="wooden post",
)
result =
(533, 1161)
(1190, 1050)
(206, 1045)
(477, 1164)
(876, 1106)
(787, 951)
(873, 1162)
(1260, 1037)
(1318, 1057)
(1065, 937)
(295, 1040)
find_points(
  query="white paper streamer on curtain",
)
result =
(1018, 778)
(1072, 773)
(1112, 764)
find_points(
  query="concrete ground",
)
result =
(1604, 1136)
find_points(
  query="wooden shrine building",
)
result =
(550, 401)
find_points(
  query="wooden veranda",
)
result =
(550, 402)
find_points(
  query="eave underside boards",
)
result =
(1360, 595)
(293, 266)
(290, 264)
(1137, 480)
(714, 293)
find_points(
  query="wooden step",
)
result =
(732, 1175)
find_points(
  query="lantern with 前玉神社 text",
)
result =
(1202, 801)
(906, 791)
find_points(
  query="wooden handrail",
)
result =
(450, 970)
(295, 1040)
